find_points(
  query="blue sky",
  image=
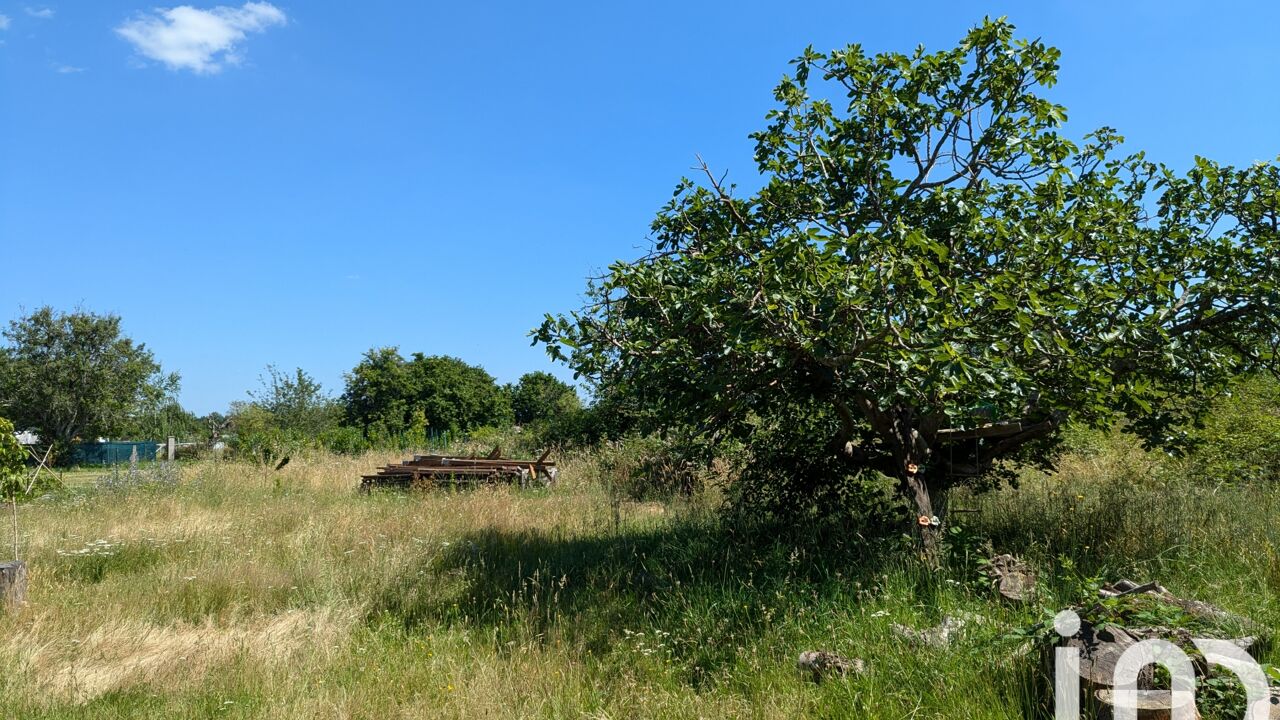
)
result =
(296, 183)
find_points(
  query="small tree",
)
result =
(12, 471)
(932, 278)
(289, 412)
(541, 396)
(296, 402)
(71, 375)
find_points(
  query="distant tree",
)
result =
(380, 393)
(214, 426)
(387, 392)
(1239, 440)
(296, 402)
(75, 375)
(456, 396)
(161, 420)
(290, 411)
(932, 278)
(540, 396)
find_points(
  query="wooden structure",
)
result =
(427, 471)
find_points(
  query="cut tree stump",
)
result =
(1100, 649)
(13, 585)
(1149, 704)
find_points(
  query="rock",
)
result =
(13, 585)
(941, 635)
(1151, 704)
(1012, 578)
(820, 664)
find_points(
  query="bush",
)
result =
(344, 440)
(1240, 438)
(649, 467)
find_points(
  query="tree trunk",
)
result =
(911, 450)
(13, 585)
(919, 488)
(914, 455)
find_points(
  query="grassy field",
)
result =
(239, 593)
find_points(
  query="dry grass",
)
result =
(130, 653)
(250, 594)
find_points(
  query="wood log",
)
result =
(990, 430)
(13, 585)
(1150, 704)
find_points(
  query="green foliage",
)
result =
(289, 412)
(157, 421)
(296, 403)
(388, 396)
(74, 375)
(613, 414)
(12, 462)
(647, 467)
(257, 435)
(1240, 438)
(783, 479)
(927, 253)
(541, 396)
(344, 440)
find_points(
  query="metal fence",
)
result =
(112, 453)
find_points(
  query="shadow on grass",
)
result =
(700, 589)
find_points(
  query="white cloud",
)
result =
(187, 38)
(4, 22)
(42, 13)
(67, 69)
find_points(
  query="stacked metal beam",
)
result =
(427, 471)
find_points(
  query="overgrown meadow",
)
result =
(233, 591)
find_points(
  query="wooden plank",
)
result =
(990, 430)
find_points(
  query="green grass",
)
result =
(243, 595)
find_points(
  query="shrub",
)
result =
(11, 461)
(649, 467)
(344, 440)
(1240, 438)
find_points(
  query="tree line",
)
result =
(76, 376)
